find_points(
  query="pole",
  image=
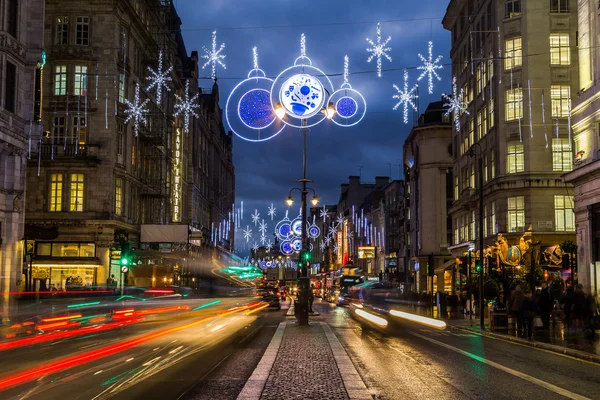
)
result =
(303, 281)
(481, 300)
(304, 192)
(469, 286)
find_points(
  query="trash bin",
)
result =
(499, 318)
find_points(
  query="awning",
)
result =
(445, 265)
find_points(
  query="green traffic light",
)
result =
(124, 261)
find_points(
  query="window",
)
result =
(512, 8)
(120, 139)
(471, 134)
(465, 178)
(485, 169)
(493, 229)
(514, 104)
(59, 129)
(479, 125)
(493, 165)
(559, 6)
(560, 53)
(564, 217)
(12, 19)
(67, 249)
(485, 221)
(484, 121)
(472, 230)
(512, 53)
(122, 88)
(562, 155)
(77, 192)
(491, 113)
(61, 34)
(561, 100)
(79, 130)
(118, 196)
(516, 214)
(472, 177)
(456, 232)
(479, 79)
(56, 186)
(83, 31)
(60, 80)
(456, 188)
(515, 159)
(80, 80)
(11, 83)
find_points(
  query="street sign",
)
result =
(124, 269)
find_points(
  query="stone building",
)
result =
(585, 176)
(395, 238)
(21, 61)
(517, 64)
(428, 186)
(102, 184)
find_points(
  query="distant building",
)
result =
(395, 238)
(428, 188)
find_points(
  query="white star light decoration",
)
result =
(255, 247)
(456, 105)
(323, 213)
(378, 50)
(327, 240)
(335, 248)
(263, 239)
(255, 217)
(272, 212)
(263, 227)
(186, 106)
(429, 68)
(340, 220)
(135, 111)
(269, 245)
(159, 78)
(332, 231)
(247, 233)
(214, 56)
(406, 97)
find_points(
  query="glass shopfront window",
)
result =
(73, 250)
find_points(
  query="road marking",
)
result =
(529, 378)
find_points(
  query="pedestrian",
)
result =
(516, 305)
(546, 303)
(578, 307)
(311, 299)
(590, 314)
(528, 313)
(567, 303)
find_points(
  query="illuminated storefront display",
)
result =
(177, 152)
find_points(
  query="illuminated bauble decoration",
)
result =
(302, 95)
(346, 107)
(283, 229)
(297, 227)
(297, 244)
(286, 248)
(314, 231)
(255, 109)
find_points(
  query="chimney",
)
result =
(354, 180)
(381, 181)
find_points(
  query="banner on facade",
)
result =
(164, 234)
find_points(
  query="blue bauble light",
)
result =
(305, 90)
(346, 107)
(255, 109)
(285, 230)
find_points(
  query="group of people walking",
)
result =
(579, 311)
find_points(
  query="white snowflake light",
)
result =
(323, 213)
(247, 233)
(340, 220)
(263, 239)
(214, 56)
(255, 217)
(456, 104)
(269, 245)
(186, 106)
(378, 50)
(159, 78)
(335, 248)
(322, 246)
(405, 97)
(350, 235)
(429, 68)
(255, 247)
(332, 231)
(327, 240)
(272, 212)
(263, 227)
(135, 111)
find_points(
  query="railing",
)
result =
(61, 151)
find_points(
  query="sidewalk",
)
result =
(305, 362)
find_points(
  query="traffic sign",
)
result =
(124, 269)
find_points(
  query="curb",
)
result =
(540, 345)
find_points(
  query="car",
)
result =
(270, 295)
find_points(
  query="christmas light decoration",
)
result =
(544, 119)
(255, 217)
(186, 106)
(272, 212)
(335, 249)
(214, 56)
(159, 79)
(135, 111)
(340, 220)
(263, 239)
(255, 247)
(406, 97)
(269, 245)
(322, 246)
(455, 103)
(332, 231)
(247, 233)
(327, 240)
(429, 68)
(323, 213)
(263, 227)
(378, 50)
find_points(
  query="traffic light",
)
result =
(125, 257)
(565, 262)
(478, 265)
(464, 264)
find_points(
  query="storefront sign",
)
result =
(177, 191)
(366, 252)
(164, 247)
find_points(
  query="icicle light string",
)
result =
(530, 113)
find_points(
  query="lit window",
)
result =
(484, 121)
(515, 159)
(485, 222)
(121, 139)
(471, 133)
(562, 155)
(514, 104)
(60, 80)
(122, 88)
(56, 186)
(516, 214)
(79, 130)
(493, 165)
(512, 53)
(493, 229)
(80, 80)
(560, 53)
(480, 124)
(118, 196)
(83, 31)
(59, 129)
(559, 6)
(561, 100)
(512, 8)
(564, 217)
(456, 234)
(456, 188)
(472, 177)
(485, 169)
(479, 78)
(472, 230)
(62, 30)
(77, 192)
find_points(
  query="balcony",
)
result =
(49, 152)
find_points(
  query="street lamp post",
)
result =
(481, 257)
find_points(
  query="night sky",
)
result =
(266, 171)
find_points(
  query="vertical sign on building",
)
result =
(340, 254)
(177, 155)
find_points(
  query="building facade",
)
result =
(21, 61)
(101, 181)
(585, 176)
(515, 61)
(428, 172)
(395, 238)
